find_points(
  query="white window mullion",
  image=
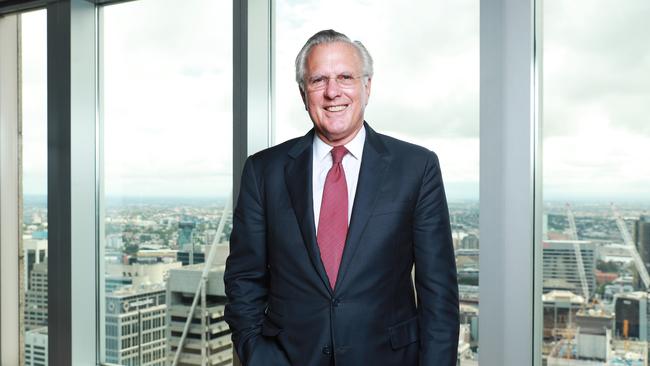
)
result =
(9, 189)
(509, 155)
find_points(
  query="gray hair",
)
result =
(330, 36)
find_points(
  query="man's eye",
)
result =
(345, 77)
(317, 80)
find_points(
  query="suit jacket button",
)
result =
(326, 350)
(335, 302)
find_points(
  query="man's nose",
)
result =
(332, 89)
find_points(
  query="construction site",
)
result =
(593, 318)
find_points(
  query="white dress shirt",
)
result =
(322, 162)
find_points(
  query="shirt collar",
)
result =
(355, 146)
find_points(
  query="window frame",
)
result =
(510, 189)
(72, 174)
(510, 218)
(10, 335)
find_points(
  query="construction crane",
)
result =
(201, 288)
(578, 252)
(627, 240)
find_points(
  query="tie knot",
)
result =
(338, 152)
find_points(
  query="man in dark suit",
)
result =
(327, 229)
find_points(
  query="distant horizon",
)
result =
(450, 198)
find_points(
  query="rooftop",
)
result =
(563, 296)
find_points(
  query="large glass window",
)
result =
(33, 142)
(596, 241)
(425, 90)
(166, 86)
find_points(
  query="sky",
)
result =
(34, 102)
(425, 95)
(596, 99)
(167, 84)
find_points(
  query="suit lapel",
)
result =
(298, 176)
(374, 164)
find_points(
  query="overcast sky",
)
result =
(425, 95)
(168, 84)
(597, 99)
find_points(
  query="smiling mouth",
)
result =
(336, 108)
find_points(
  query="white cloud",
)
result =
(596, 92)
(167, 97)
(168, 77)
(34, 99)
(602, 161)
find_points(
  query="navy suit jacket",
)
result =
(281, 307)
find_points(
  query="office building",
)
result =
(36, 297)
(36, 347)
(617, 253)
(468, 294)
(135, 326)
(642, 239)
(469, 242)
(594, 334)
(208, 338)
(113, 283)
(201, 252)
(187, 257)
(560, 266)
(464, 348)
(560, 310)
(39, 235)
(615, 288)
(148, 254)
(114, 241)
(34, 251)
(631, 311)
(186, 233)
(471, 255)
(137, 274)
(469, 315)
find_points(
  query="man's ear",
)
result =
(368, 83)
(304, 98)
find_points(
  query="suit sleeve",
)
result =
(435, 272)
(246, 278)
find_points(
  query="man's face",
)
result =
(336, 110)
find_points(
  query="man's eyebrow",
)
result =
(346, 73)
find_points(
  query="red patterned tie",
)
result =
(333, 221)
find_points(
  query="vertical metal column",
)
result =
(239, 101)
(72, 182)
(239, 91)
(9, 190)
(509, 157)
(58, 180)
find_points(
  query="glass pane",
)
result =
(425, 90)
(33, 82)
(166, 84)
(596, 88)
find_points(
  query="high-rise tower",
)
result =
(135, 326)
(208, 340)
(642, 239)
